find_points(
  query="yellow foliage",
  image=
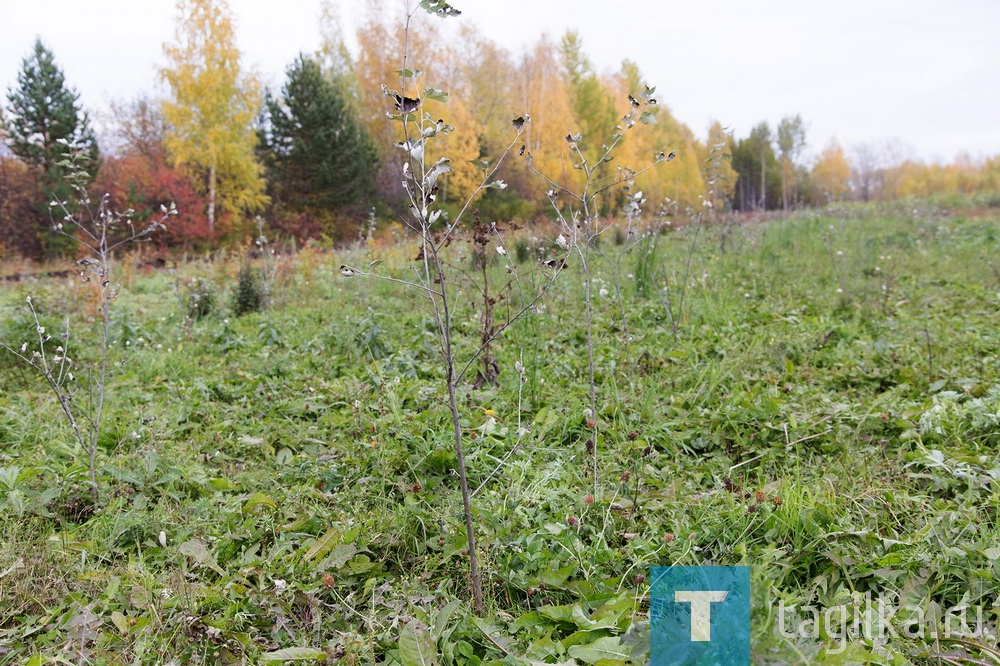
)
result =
(832, 173)
(213, 104)
(915, 179)
(460, 146)
(541, 92)
(715, 157)
(681, 180)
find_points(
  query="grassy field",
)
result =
(823, 406)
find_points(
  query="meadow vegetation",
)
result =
(278, 475)
(464, 431)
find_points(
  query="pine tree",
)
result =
(317, 155)
(43, 116)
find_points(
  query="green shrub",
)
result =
(645, 267)
(249, 294)
(522, 249)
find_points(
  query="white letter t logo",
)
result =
(701, 610)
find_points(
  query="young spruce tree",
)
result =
(318, 157)
(43, 118)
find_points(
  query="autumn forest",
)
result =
(319, 158)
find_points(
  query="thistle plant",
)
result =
(577, 216)
(82, 390)
(430, 278)
(629, 237)
(711, 202)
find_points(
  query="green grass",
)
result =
(298, 461)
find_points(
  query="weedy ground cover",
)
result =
(828, 413)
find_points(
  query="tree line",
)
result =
(318, 156)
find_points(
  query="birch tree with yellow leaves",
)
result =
(831, 175)
(211, 110)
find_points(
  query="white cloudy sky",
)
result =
(923, 72)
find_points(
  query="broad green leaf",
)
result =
(583, 637)
(323, 544)
(493, 634)
(647, 118)
(340, 555)
(439, 8)
(435, 94)
(443, 616)
(408, 73)
(295, 525)
(295, 654)
(360, 564)
(200, 553)
(222, 485)
(856, 653)
(416, 645)
(556, 577)
(636, 640)
(402, 117)
(120, 621)
(196, 550)
(603, 648)
(558, 613)
(258, 499)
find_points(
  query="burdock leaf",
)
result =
(648, 118)
(519, 122)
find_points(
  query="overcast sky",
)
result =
(923, 72)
